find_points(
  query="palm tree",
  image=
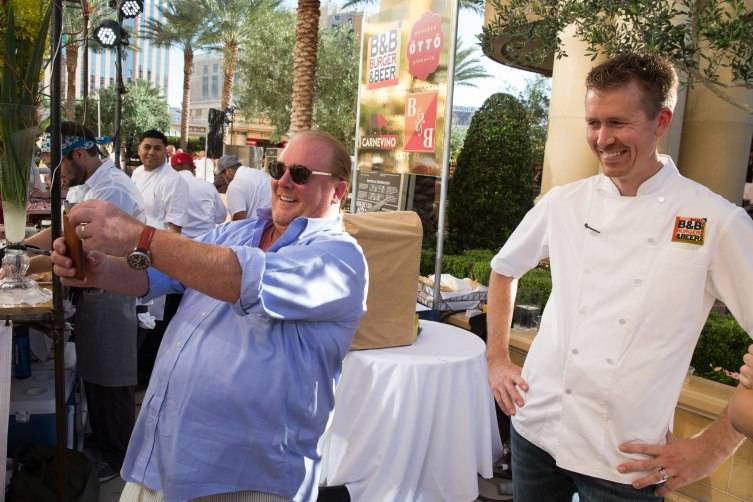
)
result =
(78, 19)
(230, 24)
(474, 5)
(468, 66)
(304, 65)
(184, 27)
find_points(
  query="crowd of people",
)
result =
(259, 312)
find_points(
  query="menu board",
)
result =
(379, 191)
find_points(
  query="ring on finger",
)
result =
(663, 475)
(81, 233)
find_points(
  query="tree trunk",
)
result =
(186, 107)
(228, 68)
(304, 65)
(71, 63)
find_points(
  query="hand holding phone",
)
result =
(73, 243)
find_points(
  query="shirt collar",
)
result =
(99, 174)
(299, 228)
(655, 183)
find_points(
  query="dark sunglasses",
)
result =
(300, 174)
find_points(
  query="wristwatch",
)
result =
(139, 258)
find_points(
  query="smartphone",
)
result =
(73, 243)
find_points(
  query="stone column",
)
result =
(567, 156)
(716, 139)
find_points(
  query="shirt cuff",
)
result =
(253, 264)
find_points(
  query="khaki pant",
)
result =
(134, 492)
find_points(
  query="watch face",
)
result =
(139, 260)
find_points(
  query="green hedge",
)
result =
(194, 144)
(474, 263)
(721, 345)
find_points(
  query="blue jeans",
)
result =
(536, 478)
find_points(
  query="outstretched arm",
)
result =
(101, 271)
(213, 270)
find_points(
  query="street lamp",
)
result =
(111, 34)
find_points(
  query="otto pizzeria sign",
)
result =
(425, 45)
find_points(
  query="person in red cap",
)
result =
(205, 207)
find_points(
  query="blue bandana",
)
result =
(70, 143)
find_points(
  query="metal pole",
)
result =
(99, 118)
(85, 62)
(445, 159)
(57, 287)
(118, 92)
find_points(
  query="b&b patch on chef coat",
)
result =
(689, 230)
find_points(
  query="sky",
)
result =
(504, 79)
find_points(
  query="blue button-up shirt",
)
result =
(241, 393)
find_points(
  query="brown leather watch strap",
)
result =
(146, 239)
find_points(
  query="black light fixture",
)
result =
(112, 34)
(131, 8)
(109, 33)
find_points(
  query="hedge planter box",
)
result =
(701, 401)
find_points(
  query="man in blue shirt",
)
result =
(244, 381)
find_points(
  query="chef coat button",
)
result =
(651, 241)
(610, 360)
(587, 271)
(638, 282)
(582, 310)
(568, 391)
(661, 200)
(178, 344)
(575, 351)
(622, 322)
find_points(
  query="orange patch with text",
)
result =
(689, 230)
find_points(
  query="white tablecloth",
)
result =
(413, 423)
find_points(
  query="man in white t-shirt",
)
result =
(248, 189)
(638, 256)
(165, 192)
(205, 207)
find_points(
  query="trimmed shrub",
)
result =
(721, 347)
(492, 188)
(194, 144)
(534, 288)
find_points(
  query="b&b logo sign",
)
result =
(420, 122)
(384, 59)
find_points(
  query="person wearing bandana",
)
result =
(104, 323)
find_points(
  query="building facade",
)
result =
(206, 93)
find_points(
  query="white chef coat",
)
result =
(165, 195)
(110, 184)
(249, 190)
(627, 307)
(205, 206)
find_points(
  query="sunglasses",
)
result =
(300, 174)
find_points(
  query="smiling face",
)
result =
(623, 136)
(319, 197)
(152, 153)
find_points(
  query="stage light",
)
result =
(109, 33)
(131, 8)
